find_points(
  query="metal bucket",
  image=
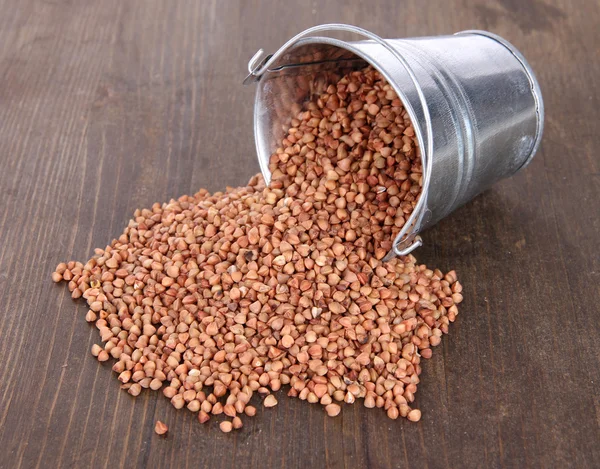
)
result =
(474, 102)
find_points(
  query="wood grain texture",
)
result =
(113, 105)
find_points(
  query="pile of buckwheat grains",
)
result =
(215, 298)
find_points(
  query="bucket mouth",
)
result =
(353, 55)
(323, 54)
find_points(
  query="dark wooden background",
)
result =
(106, 106)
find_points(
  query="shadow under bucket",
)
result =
(474, 102)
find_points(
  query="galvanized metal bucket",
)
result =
(474, 102)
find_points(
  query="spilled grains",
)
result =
(217, 298)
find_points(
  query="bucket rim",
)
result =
(407, 239)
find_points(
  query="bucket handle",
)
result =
(404, 243)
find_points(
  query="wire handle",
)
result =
(405, 242)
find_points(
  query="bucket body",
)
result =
(473, 100)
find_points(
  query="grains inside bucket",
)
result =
(218, 298)
(353, 146)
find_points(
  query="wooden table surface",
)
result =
(107, 106)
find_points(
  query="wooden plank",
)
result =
(109, 106)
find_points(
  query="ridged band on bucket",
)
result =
(474, 102)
